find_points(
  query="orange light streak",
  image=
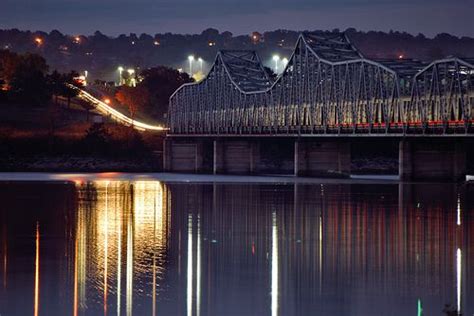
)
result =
(36, 305)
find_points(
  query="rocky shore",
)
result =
(377, 166)
(78, 164)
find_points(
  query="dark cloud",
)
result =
(238, 16)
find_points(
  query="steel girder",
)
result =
(327, 87)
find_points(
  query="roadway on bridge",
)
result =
(106, 110)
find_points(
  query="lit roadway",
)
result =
(117, 116)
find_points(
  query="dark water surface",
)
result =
(153, 248)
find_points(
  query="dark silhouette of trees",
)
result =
(28, 83)
(25, 79)
(8, 64)
(101, 54)
(60, 85)
(161, 82)
(152, 94)
(134, 98)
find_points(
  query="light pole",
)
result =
(200, 63)
(132, 78)
(120, 70)
(191, 59)
(276, 59)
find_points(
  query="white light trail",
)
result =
(106, 109)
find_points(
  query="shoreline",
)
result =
(153, 164)
(191, 178)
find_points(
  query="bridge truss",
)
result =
(327, 87)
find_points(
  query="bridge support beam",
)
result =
(322, 158)
(183, 156)
(435, 159)
(236, 156)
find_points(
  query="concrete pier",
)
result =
(183, 156)
(236, 156)
(436, 159)
(419, 158)
(327, 158)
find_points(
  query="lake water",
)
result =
(111, 245)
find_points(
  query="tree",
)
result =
(28, 83)
(8, 64)
(55, 83)
(161, 82)
(67, 91)
(60, 85)
(134, 98)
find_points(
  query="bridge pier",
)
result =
(236, 156)
(435, 159)
(322, 158)
(183, 156)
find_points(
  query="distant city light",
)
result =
(401, 56)
(107, 100)
(211, 43)
(156, 43)
(133, 42)
(77, 40)
(39, 41)
(256, 37)
(131, 71)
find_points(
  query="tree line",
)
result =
(25, 79)
(151, 95)
(101, 54)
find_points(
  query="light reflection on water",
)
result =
(144, 247)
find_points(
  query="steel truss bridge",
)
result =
(327, 88)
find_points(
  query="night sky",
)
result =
(238, 16)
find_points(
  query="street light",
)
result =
(133, 81)
(285, 61)
(120, 70)
(276, 59)
(191, 59)
(200, 63)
